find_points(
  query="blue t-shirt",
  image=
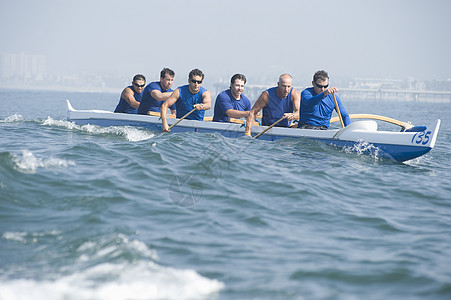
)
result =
(186, 102)
(225, 101)
(149, 103)
(124, 107)
(276, 108)
(317, 110)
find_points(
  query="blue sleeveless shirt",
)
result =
(124, 107)
(276, 108)
(186, 102)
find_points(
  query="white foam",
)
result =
(363, 148)
(142, 280)
(24, 237)
(93, 250)
(419, 160)
(29, 163)
(60, 123)
(12, 119)
(15, 236)
(132, 134)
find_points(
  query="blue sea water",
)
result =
(88, 212)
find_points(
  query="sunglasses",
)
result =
(321, 86)
(137, 85)
(196, 81)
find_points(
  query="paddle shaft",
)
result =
(269, 127)
(182, 118)
(338, 111)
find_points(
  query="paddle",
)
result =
(338, 111)
(182, 118)
(269, 127)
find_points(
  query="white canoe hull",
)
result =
(399, 146)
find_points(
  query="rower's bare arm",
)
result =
(261, 102)
(206, 102)
(128, 95)
(233, 113)
(171, 100)
(164, 109)
(158, 95)
(296, 100)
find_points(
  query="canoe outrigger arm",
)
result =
(404, 125)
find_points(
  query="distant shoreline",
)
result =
(62, 89)
(252, 91)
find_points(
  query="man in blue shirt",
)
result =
(188, 97)
(277, 102)
(131, 96)
(317, 104)
(232, 103)
(157, 92)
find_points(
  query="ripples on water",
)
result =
(127, 213)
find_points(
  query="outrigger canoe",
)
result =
(363, 136)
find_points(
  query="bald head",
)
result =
(285, 78)
(284, 85)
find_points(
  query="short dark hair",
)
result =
(239, 77)
(139, 77)
(321, 75)
(166, 71)
(196, 72)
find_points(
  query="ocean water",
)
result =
(125, 213)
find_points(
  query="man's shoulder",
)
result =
(225, 95)
(308, 90)
(295, 92)
(154, 85)
(271, 89)
(203, 90)
(270, 92)
(127, 89)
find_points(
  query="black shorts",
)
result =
(308, 126)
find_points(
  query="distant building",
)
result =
(375, 83)
(23, 66)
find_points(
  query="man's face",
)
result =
(284, 86)
(195, 83)
(320, 86)
(167, 81)
(237, 88)
(138, 85)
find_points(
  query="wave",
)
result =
(29, 163)
(116, 281)
(104, 277)
(364, 148)
(132, 134)
(12, 119)
(27, 238)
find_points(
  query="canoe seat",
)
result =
(416, 129)
(362, 125)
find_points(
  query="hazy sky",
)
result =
(349, 38)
